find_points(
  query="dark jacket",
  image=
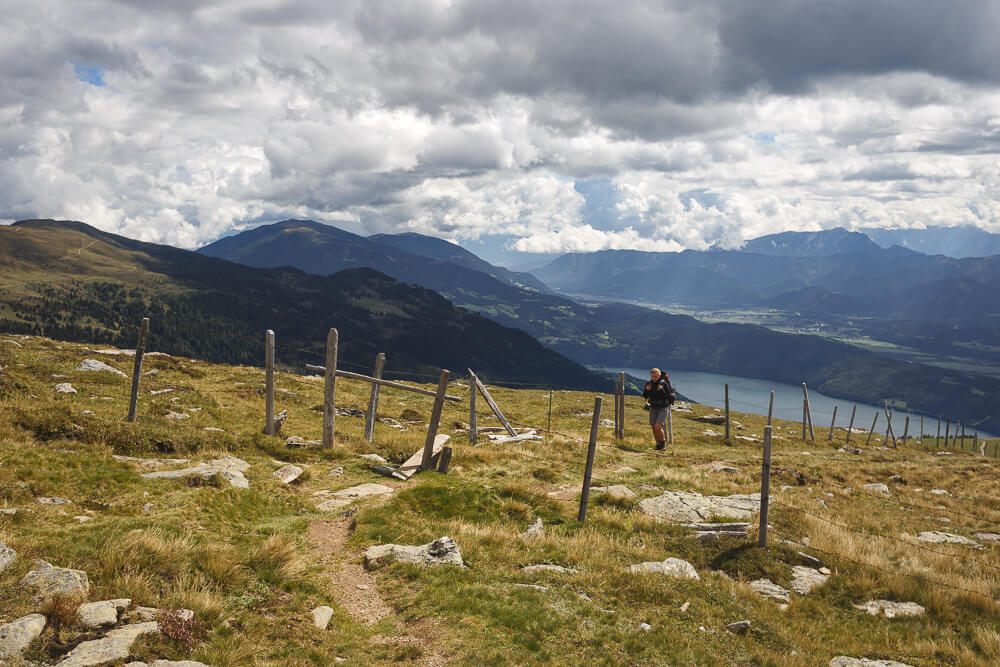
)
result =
(660, 393)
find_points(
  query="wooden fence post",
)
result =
(432, 427)
(591, 450)
(444, 461)
(906, 429)
(618, 388)
(770, 408)
(947, 432)
(727, 411)
(140, 352)
(954, 439)
(921, 430)
(765, 488)
(808, 411)
(963, 435)
(832, 424)
(473, 415)
(269, 382)
(670, 424)
(329, 386)
(549, 427)
(888, 429)
(850, 426)
(804, 420)
(975, 444)
(872, 430)
(621, 407)
(493, 404)
(372, 413)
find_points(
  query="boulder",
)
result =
(769, 589)
(985, 537)
(172, 416)
(687, 507)
(18, 635)
(711, 419)
(65, 388)
(876, 488)
(804, 579)
(49, 581)
(938, 537)
(847, 661)
(375, 458)
(442, 551)
(228, 468)
(94, 366)
(336, 472)
(739, 627)
(53, 500)
(940, 492)
(534, 531)
(8, 556)
(98, 614)
(116, 645)
(321, 616)
(672, 567)
(288, 473)
(891, 609)
(619, 492)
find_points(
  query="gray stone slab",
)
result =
(682, 506)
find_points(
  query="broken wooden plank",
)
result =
(489, 401)
(412, 464)
(499, 439)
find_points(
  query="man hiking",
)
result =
(659, 395)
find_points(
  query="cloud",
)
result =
(563, 125)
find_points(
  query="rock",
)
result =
(693, 507)
(850, 450)
(940, 492)
(172, 416)
(374, 458)
(804, 579)
(333, 504)
(149, 463)
(739, 627)
(53, 501)
(228, 468)
(148, 508)
(711, 419)
(288, 473)
(985, 537)
(116, 645)
(65, 388)
(619, 492)
(684, 607)
(82, 518)
(607, 423)
(106, 612)
(812, 560)
(769, 589)
(18, 635)
(336, 472)
(625, 469)
(672, 567)
(296, 441)
(8, 556)
(891, 609)
(534, 531)
(321, 616)
(348, 412)
(724, 468)
(362, 490)
(645, 627)
(897, 479)
(936, 536)
(847, 661)
(442, 551)
(533, 587)
(49, 580)
(876, 488)
(213, 429)
(93, 366)
(157, 392)
(559, 569)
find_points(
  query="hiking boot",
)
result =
(661, 445)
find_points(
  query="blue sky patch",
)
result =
(94, 75)
(764, 137)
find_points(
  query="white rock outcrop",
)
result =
(18, 635)
(442, 551)
(672, 567)
(95, 366)
(688, 507)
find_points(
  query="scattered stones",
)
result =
(897, 479)
(672, 567)
(723, 468)
(694, 507)
(851, 450)
(986, 537)
(65, 388)
(53, 500)
(288, 473)
(771, 590)
(172, 416)
(559, 569)
(348, 412)
(143, 614)
(442, 551)
(375, 458)
(93, 366)
(607, 423)
(534, 587)
(847, 661)
(804, 579)
(49, 580)
(684, 607)
(877, 488)
(228, 468)
(535, 531)
(336, 472)
(938, 537)
(98, 614)
(157, 392)
(891, 609)
(8, 556)
(279, 421)
(711, 419)
(710, 433)
(321, 616)
(18, 635)
(711, 532)
(116, 645)
(739, 627)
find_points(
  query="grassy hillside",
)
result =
(72, 281)
(252, 563)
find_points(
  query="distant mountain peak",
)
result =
(838, 241)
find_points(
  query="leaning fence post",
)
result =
(832, 423)
(373, 398)
(888, 418)
(269, 382)
(808, 410)
(591, 450)
(473, 416)
(850, 426)
(906, 429)
(432, 427)
(140, 351)
(329, 386)
(765, 488)
(727, 411)
(872, 430)
(670, 424)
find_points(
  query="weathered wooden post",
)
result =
(372, 413)
(670, 424)
(947, 431)
(888, 429)
(591, 450)
(621, 406)
(975, 444)
(549, 427)
(770, 408)
(444, 461)
(906, 429)
(963, 435)
(269, 382)
(329, 386)
(804, 420)
(765, 488)
(808, 411)
(921, 430)
(872, 430)
(473, 415)
(954, 439)
(727, 411)
(937, 439)
(850, 426)
(432, 427)
(618, 388)
(140, 352)
(832, 424)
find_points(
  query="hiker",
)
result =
(659, 395)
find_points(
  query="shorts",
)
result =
(658, 415)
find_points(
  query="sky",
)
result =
(519, 128)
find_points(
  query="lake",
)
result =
(751, 395)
